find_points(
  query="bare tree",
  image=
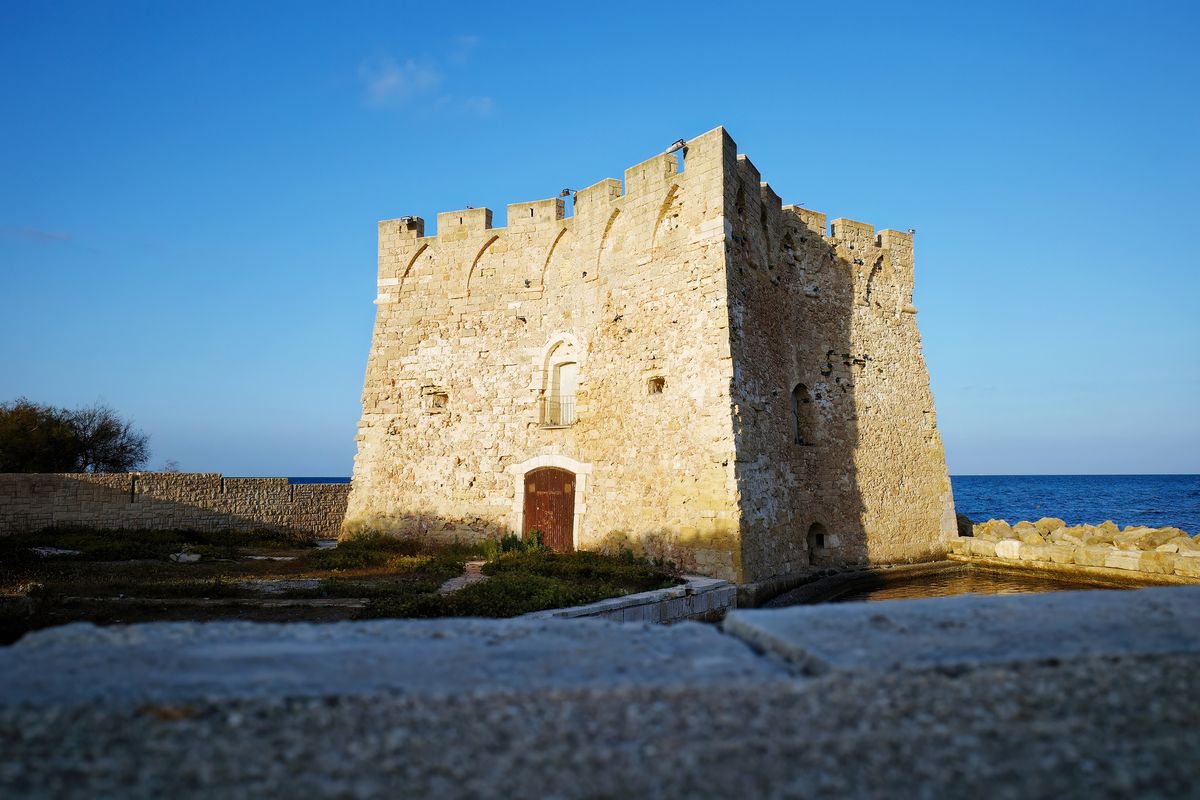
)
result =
(38, 438)
(108, 443)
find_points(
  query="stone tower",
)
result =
(683, 366)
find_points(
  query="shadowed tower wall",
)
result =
(678, 310)
(839, 459)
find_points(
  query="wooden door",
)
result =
(550, 507)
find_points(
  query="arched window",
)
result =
(803, 415)
(560, 378)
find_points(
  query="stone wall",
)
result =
(691, 304)
(470, 322)
(1083, 548)
(196, 501)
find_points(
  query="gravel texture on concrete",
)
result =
(567, 709)
(976, 630)
(81, 663)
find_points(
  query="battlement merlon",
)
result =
(534, 213)
(814, 221)
(454, 226)
(395, 230)
(645, 180)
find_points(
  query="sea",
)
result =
(1157, 501)
(1154, 500)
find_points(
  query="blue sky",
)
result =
(188, 194)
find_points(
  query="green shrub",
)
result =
(534, 542)
(441, 567)
(133, 545)
(628, 573)
(523, 581)
(94, 545)
(362, 552)
(507, 595)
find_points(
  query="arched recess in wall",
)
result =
(607, 245)
(669, 221)
(420, 264)
(804, 417)
(872, 290)
(475, 263)
(768, 261)
(554, 267)
(558, 381)
(787, 254)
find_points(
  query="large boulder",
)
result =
(1176, 531)
(1066, 537)
(1028, 533)
(965, 525)
(1096, 534)
(1143, 538)
(993, 530)
(1048, 525)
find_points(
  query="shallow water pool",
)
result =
(960, 581)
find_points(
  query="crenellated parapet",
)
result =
(608, 216)
(875, 257)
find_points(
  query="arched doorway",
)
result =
(550, 507)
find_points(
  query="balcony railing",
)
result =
(556, 412)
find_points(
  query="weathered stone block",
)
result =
(1008, 548)
(1123, 559)
(1092, 555)
(1035, 552)
(1187, 564)
(959, 545)
(1062, 553)
(983, 547)
(1158, 563)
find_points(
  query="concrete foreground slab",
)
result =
(593, 709)
(973, 630)
(81, 663)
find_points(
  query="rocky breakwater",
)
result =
(1152, 551)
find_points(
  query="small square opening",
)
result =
(434, 400)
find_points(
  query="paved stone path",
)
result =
(471, 574)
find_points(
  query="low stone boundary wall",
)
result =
(173, 500)
(1091, 560)
(705, 599)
